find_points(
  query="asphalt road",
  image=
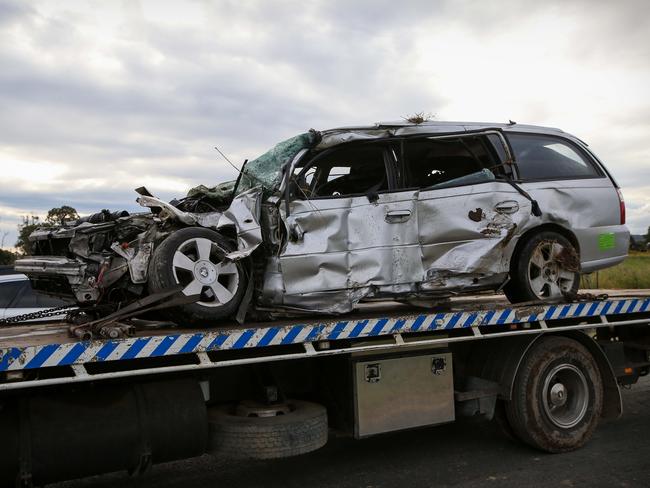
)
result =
(465, 453)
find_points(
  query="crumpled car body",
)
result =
(399, 211)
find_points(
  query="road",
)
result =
(467, 454)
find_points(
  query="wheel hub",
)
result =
(205, 272)
(256, 409)
(199, 267)
(565, 395)
(548, 276)
(558, 394)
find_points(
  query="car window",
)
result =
(351, 170)
(8, 292)
(546, 157)
(431, 162)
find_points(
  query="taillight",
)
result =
(622, 205)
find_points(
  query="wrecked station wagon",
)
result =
(325, 220)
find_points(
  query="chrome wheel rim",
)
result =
(549, 275)
(565, 396)
(198, 266)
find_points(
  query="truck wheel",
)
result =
(501, 419)
(193, 258)
(290, 429)
(546, 267)
(557, 397)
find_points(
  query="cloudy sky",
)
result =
(100, 97)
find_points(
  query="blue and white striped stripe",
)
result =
(33, 357)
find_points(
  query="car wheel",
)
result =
(194, 259)
(557, 397)
(545, 268)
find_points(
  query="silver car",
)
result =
(325, 220)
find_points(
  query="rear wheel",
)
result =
(557, 397)
(194, 259)
(545, 268)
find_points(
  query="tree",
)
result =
(7, 257)
(55, 217)
(30, 223)
(59, 215)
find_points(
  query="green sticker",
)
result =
(606, 241)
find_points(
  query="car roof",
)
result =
(457, 126)
(398, 128)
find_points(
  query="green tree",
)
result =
(55, 217)
(7, 257)
(60, 215)
(30, 223)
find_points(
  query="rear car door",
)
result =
(468, 211)
(348, 227)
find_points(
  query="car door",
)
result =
(350, 229)
(468, 211)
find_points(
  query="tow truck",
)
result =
(74, 405)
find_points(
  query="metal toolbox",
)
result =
(402, 392)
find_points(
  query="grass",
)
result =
(633, 273)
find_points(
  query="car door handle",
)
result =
(396, 216)
(507, 207)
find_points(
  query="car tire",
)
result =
(546, 267)
(557, 398)
(193, 258)
(302, 430)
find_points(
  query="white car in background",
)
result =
(18, 298)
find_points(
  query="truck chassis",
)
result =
(385, 367)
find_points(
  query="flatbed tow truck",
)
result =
(547, 372)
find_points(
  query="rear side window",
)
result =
(548, 158)
(450, 161)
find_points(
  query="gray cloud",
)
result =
(149, 102)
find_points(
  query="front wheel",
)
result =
(545, 268)
(557, 397)
(193, 258)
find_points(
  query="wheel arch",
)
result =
(501, 358)
(549, 227)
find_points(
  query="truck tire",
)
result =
(302, 430)
(501, 419)
(193, 258)
(557, 396)
(546, 267)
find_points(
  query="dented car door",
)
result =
(363, 243)
(468, 216)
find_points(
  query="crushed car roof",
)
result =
(332, 137)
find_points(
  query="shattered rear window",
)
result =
(265, 170)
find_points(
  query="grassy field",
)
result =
(634, 272)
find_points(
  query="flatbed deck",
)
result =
(29, 347)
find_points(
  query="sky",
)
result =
(100, 97)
